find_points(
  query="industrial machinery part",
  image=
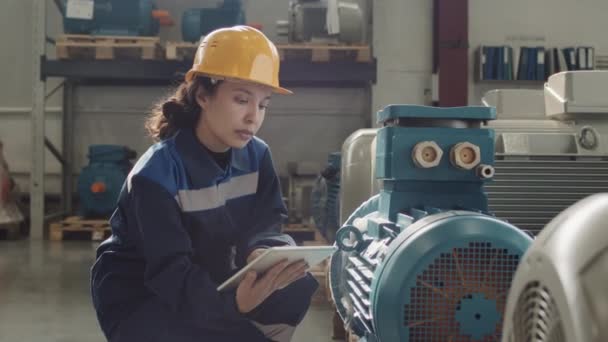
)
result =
(550, 147)
(356, 168)
(545, 160)
(326, 198)
(559, 289)
(113, 17)
(424, 260)
(579, 92)
(465, 155)
(308, 22)
(427, 154)
(100, 182)
(198, 22)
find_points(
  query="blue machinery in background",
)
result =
(424, 260)
(111, 17)
(142, 18)
(100, 182)
(197, 22)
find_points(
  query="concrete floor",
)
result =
(44, 295)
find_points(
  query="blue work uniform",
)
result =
(182, 226)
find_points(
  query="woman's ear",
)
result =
(202, 99)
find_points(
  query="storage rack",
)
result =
(124, 72)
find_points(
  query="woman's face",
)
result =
(232, 115)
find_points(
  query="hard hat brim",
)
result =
(279, 90)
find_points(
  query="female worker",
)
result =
(199, 204)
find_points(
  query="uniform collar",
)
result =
(201, 164)
(240, 158)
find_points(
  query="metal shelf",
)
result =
(335, 74)
(133, 72)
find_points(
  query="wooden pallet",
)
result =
(325, 53)
(75, 227)
(75, 46)
(180, 51)
(10, 231)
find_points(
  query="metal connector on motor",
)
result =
(465, 155)
(485, 171)
(427, 154)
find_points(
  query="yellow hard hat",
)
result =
(239, 52)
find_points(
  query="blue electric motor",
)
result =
(113, 17)
(197, 22)
(100, 182)
(424, 260)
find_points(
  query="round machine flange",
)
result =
(350, 234)
(437, 269)
(588, 138)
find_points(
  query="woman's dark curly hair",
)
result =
(179, 110)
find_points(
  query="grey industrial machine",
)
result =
(551, 147)
(559, 292)
(551, 150)
(357, 152)
(308, 22)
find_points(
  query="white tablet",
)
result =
(312, 254)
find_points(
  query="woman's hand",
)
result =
(254, 289)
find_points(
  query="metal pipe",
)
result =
(68, 148)
(37, 121)
(54, 150)
(27, 110)
(54, 90)
(53, 216)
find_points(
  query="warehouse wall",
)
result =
(116, 114)
(403, 39)
(402, 43)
